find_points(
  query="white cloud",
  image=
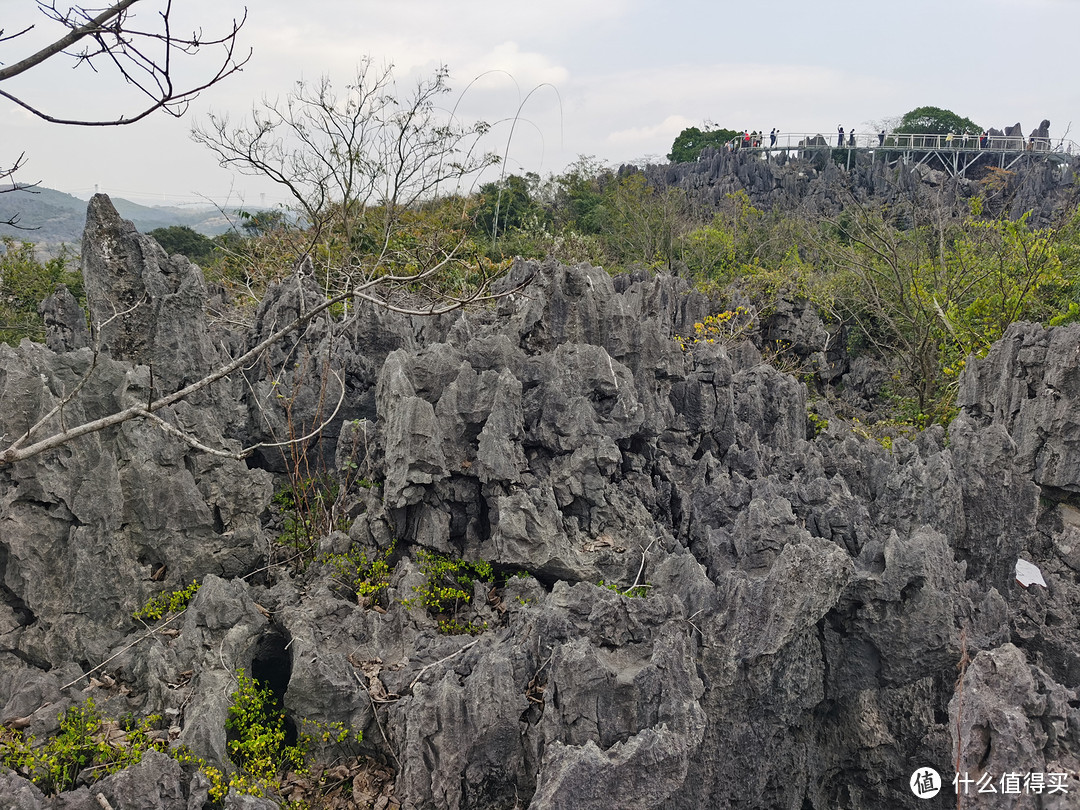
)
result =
(642, 137)
(612, 78)
(623, 115)
(528, 69)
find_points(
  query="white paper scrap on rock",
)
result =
(1028, 573)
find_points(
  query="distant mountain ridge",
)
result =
(51, 217)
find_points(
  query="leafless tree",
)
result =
(356, 163)
(359, 167)
(113, 40)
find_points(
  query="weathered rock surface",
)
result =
(813, 182)
(809, 600)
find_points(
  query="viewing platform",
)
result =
(954, 154)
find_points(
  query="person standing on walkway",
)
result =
(772, 137)
(851, 138)
(840, 135)
(881, 138)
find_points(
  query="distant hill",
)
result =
(56, 217)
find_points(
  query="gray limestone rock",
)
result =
(148, 307)
(808, 594)
(1028, 383)
(65, 322)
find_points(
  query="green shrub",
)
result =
(818, 423)
(256, 739)
(165, 603)
(88, 747)
(256, 744)
(24, 283)
(726, 328)
(447, 590)
(366, 578)
(306, 506)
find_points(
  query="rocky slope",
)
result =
(814, 182)
(824, 615)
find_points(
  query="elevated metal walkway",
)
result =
(954, 154)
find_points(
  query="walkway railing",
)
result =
(795, 141)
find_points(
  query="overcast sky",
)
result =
(617, 79)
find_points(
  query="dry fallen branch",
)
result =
(443, 660)
(152, 632)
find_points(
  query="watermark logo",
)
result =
(925, 783)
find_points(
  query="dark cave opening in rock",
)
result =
(272, 668)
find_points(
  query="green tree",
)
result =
(578, 200)
(258, 223)
(935, 121)
(928, 286)
(689, 143)
(505, 205)
(24, 283)
(644, 221)
(185, 241)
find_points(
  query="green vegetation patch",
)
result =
(447, 591)
(166, 603)
(87, 747)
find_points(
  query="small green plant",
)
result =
(306, 506)
(166, 603)
(256, 739)
(366, 578)
(219, 782)
(88, 747)
(882, 432)
(447, 590)
(257, 745)
(818, 423)
(635, 592)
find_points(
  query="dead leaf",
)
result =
(94, 684)
(605, 540)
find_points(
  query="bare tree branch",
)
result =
(16, 452)
(143, 58)
(94, 26)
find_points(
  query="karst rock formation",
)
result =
(824, 615)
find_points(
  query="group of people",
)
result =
(851, 137)
(751, 140)
(754, 139)
(950, 140)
